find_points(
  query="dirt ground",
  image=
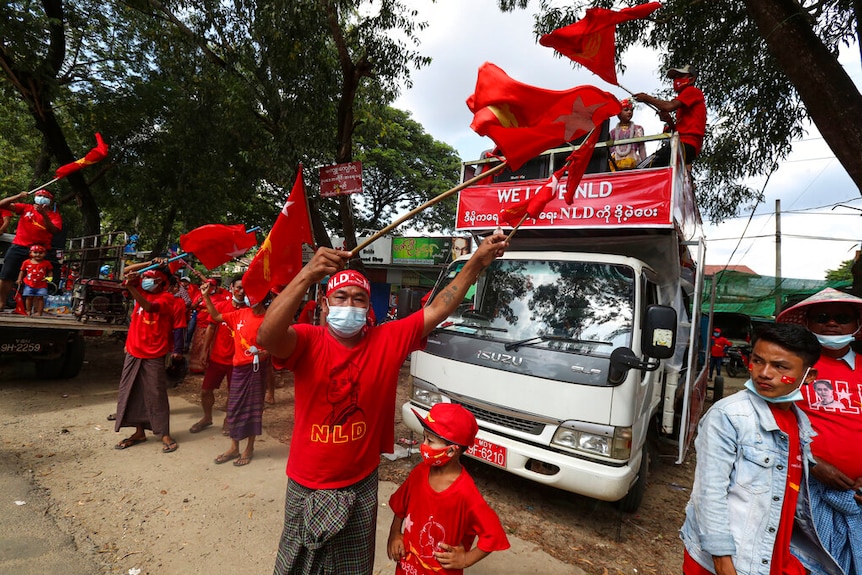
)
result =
(579, 531)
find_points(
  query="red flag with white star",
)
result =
(524, 121)
(217, 244)
(279, 258)
(591, 41)
(577, 163)
(97, 154)
(533, 205)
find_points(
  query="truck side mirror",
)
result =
(622, 360)
(658, 339)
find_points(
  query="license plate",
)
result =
(20, 347)
(489, 452)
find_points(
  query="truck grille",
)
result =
(507, 421)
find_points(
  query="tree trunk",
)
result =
(832, 100)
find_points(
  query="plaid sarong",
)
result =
(328, 531)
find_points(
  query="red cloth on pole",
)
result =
(97, 154)
(591, 41)
(216, 244)
(279, 258)
(576, 164)
(534, 204)
(525, 121)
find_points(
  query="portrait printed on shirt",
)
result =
(828, 395)
(342, 394)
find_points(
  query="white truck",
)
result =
(573, 349)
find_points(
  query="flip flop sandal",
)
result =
(225, 457)
(198, 427)
(242, 461)
(169, 447)
(129, 442)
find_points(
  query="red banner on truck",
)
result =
(636, 198)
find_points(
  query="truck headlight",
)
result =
(602, 440)
(424, 393)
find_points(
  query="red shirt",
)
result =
(783, 562)
(31, 227)
(244, 324)
(204, 318)
(345, 400)
(691, 117)
(179, 313)
(718, 345)
(455, 516)
(307, 313)
(839, 423)
(149, 334)
(222, 348)
(35, 273)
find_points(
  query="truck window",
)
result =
(584, 307)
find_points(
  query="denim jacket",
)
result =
(739, 483)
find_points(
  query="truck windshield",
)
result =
(583, 307)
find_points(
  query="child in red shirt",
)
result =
(439, 507)
(33, 279)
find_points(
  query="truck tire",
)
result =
(74, 357)
(717, 388)
(50, 368)
(632, 501)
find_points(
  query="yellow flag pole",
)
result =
(427, 204)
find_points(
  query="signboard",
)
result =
(378, 253)
(639, 198)
(421, 251)
(341, 179)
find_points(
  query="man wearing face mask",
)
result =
(689, 106)
(836, 480)
(331, 501)
(143, 397)
(37, 224)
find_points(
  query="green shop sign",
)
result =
(421, 251)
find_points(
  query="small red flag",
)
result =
(524, 121)
(279, 258)
(97, 154)
(533, 205)
(577, 163)
(19, 303)
(217, 244)
(591, 41)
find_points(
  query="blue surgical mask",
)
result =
(835, 341)
(346, 321)
(792, 397)
(148, 284)
(246, 301)
(41, 201)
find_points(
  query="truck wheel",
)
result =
(74, 357)
(632, 501)
(717, 388)
(50, 368)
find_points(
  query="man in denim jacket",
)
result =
(753, 457)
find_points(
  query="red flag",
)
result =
(97, 154)
(525, 121)
(591, 41)
(216, 244)
(577, 163)
(533, 205)
(19, 303)
(279, 258)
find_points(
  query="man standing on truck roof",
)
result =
(690, 121)
(331, 500)
(38, 223)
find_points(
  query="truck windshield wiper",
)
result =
(541, 338)
(478, 326)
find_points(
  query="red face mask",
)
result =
(435, 457)
(680, 83)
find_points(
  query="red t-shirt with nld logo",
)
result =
(345, 400)
(31, 226)
(150, 332)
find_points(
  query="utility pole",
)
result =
(777, 257)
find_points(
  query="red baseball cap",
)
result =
(346, 278)
(155, 273)
(451, 422)
(46, 193)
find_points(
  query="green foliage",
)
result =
(842, 273)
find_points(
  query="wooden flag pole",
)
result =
(34, 190)
(427, 204)
(515, 229)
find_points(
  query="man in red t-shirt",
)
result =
(5, 220)
(690, 108)
(345, 376)
(37, 224)
(143, 397)
(717, 352)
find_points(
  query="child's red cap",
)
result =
(451, 422)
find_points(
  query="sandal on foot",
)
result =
(198, 427)
(169, 447)
(225, 431)
(129, 442)
(225, 457)
(243, 460)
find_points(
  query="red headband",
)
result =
(347, 278)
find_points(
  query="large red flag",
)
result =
(279, 258)
(576, 164)
(524, 121)
(97, 154)
(217, 244)
(591, 41)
